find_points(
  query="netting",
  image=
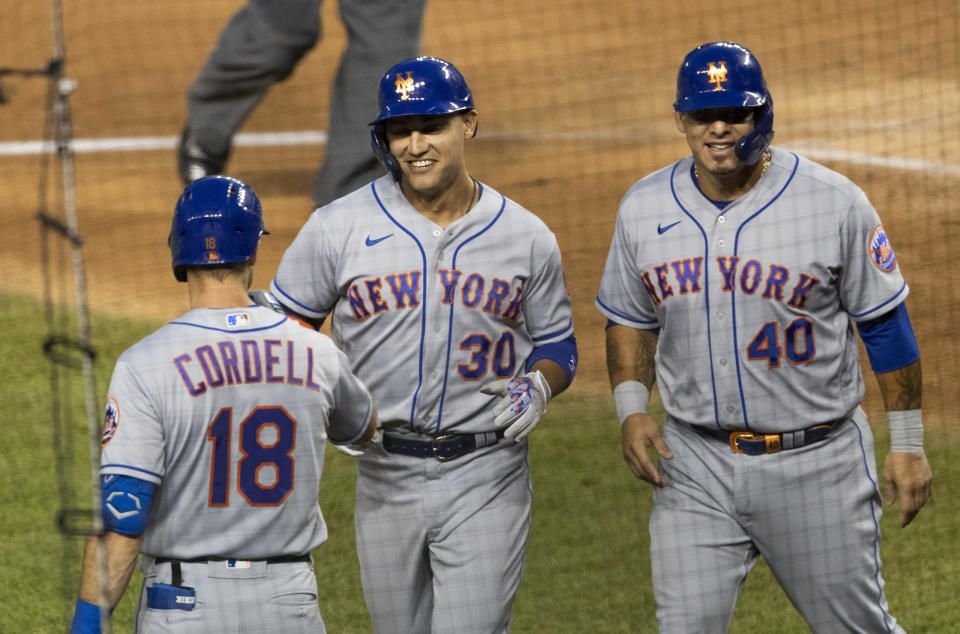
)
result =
(575, 102)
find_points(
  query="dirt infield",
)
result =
(574, 99)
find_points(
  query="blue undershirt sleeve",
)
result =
(563, 353)
(889, 340)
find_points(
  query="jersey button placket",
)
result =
(437, 316)
(442, 244)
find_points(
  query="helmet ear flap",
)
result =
(751, 147)
(378, 140)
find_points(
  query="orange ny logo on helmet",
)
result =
(717, 75)
(405, 86)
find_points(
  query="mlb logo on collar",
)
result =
(237, 320)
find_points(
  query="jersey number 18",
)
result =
(255, 455)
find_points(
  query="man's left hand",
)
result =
(374, 447)
(907, 476)
(523, 404)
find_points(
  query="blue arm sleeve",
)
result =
(86, 618)
(563, 353)
(889, 340)
(126, 503)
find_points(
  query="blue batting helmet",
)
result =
(727, 75)
(417, 86)
(218, 220)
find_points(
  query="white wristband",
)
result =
(906, 431)
(631, 398)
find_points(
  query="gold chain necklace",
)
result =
(473, 196)
(764, 164)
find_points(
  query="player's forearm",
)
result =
(371, 430)
(902, 388)
(630, 355)
(554, 374)
(120, 553)
(314, 322)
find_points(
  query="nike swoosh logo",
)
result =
(371, 242)
(663, 230)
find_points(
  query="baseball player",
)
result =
(735, 278)
(260, 46)
(213, 444)
(449, 300)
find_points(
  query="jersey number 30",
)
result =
(266, 439)
(502, 363)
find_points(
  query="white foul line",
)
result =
(319, 137)
(874, 160)
(150, 143)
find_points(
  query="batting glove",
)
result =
(372, 448)
(266, 299)
(523, 404)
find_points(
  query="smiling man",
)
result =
(449, 300)
(734, 281)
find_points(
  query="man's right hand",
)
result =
(639, 432)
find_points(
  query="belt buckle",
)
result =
(435, 445)
(737, 435)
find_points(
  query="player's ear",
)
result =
(251, 261)
(678, 117)
(470, 124)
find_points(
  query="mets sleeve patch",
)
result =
(880, 250)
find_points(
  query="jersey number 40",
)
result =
(797, 343)
(258, 456)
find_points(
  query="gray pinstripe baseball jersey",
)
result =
(228, 411)
(752, 302)
(427, 315)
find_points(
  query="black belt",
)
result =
(178, 575)
(443, 447)
(755, 443)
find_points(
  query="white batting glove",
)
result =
(372, 448)
(348, 450)
(266, 299)
(523, 404)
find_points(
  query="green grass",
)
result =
(587, 567)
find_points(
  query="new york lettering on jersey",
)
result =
(685, 276)
(498, 297)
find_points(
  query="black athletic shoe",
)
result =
(194, 162)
